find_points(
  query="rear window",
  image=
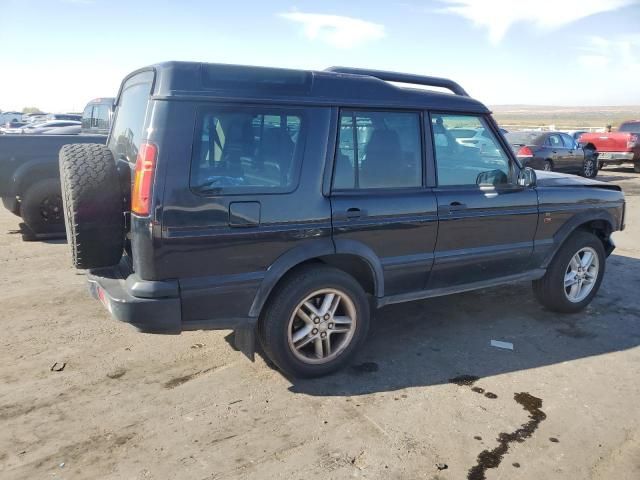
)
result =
(524, 138)
(239, 150)
(126, 134)
(633, 127)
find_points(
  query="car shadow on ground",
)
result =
(432, 341)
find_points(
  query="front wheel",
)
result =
(548, 166)
(315, 321)
(590, 167)
(574, 275)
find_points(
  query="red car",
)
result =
(615, 148)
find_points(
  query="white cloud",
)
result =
(336, 30)
(618, 53)
(498, 16)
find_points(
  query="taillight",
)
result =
(143, 180)
(524, 152)
(632, 142)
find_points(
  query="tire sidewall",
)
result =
(560, 263)
(274, 323)
(30, 208)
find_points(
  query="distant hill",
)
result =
(564, 118)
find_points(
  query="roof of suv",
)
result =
(336, 86)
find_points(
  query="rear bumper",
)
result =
(153, 306)
(158, 312)
(610, 157)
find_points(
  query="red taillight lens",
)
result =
(524, 152)
(143, 180)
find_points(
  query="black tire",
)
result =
(274, 322)
(590, 165)
(41, 207)
(550, 289)
(93, 205)
(636, 167)
(548, 166)
(11, 204)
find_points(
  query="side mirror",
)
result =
(527, 177)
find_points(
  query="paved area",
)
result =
(428, 398)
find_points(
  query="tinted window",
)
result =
(633, 127)
(462, 163)
(382, 151)
(240, 149)
(524, 138)
(100, 118)
(86, 117)
(126, 135)
(569, 142)
(554, 141)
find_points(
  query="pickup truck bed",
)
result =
(615, 148)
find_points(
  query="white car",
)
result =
(44, 127)
(474, 137)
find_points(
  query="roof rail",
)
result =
(403, 78)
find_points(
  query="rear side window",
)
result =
(241, 150)
(633, 127)
(378, 150)
(126, 134)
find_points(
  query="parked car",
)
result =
(65, 116)
(12, 127)
(286, 203)
(44, 127)
(74, 129)
(10, 117)
(29, 175)
(479, 138)
(616, 148)
(554, 151)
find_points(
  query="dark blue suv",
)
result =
(288, 204)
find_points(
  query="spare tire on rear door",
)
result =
(93, 205)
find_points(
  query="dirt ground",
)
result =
(563, 404)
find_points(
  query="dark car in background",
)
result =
(554, 151)
(29, 175)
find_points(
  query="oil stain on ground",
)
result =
(468, 381)
(491, 458)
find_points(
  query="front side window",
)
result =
(569, 142)
(378, 150)
(246, 149)
(467, 159)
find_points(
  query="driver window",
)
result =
(467, 152)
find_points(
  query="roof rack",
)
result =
(403, 78)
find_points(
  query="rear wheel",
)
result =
(574, 275)
(548, 166)
(41, 207)
(314, 322)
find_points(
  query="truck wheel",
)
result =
(93, 205)
(41, 207)
(11, 204)
(548, 166)
(314, 322)
(590, 167)
(574, 275)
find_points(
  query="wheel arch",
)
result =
(352, 257)
(600, 223)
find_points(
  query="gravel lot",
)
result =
(562, 404)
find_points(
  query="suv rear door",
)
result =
(487, 222)
(381, 208)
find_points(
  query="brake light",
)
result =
(524, 152)
(143, 180)
(632, 142)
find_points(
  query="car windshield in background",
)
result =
(631, 127)
(524, 138)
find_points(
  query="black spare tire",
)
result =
(93, 205)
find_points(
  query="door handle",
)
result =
(353, 213)
(457, 206)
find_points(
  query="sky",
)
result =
(58, 54)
